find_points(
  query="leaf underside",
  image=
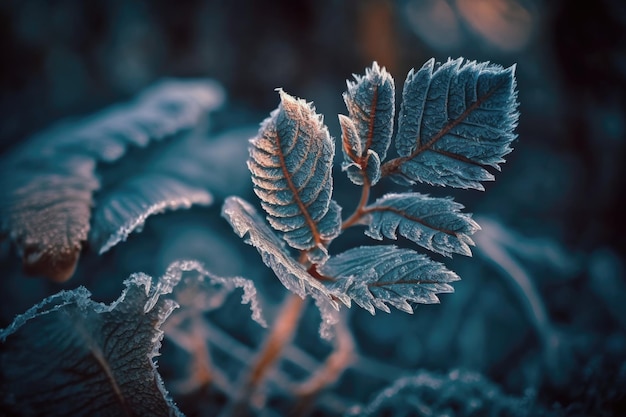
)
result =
(456, 120)
(366, 133)
(291, 165)
(374, 276)
(47, 184)
(433, 223)
(248, 224)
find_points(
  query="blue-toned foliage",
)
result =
(70, 355)
(169, 178)
(359, 164)
(47, 184)
(249, 224)
(291, 164)
(433, 223)
(460, 393)
(456, 120)
(374, 276)
(129, 205)
(370, 100)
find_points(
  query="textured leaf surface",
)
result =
(370, 100)
(70, 355)
(374, 276)
(47, 184)
(248, 224)
(456, 120)
(433, 223)
(291, 165)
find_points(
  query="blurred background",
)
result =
(555, 212)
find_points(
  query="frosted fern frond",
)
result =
(47, 184)
(374, 276)
(291, 164)
(370, 100)
(456, 120)
(433, 223)
(246, 222)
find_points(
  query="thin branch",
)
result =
(334, 366)
(358, 213)
(280, 335)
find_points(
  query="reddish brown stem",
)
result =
(358, 213)
(341, 357)
(280, 335)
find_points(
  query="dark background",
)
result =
(563, 185)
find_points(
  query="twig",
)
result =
(333, 367)
(280, 335)
(358, 213)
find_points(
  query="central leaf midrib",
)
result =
(292, 186)
(100, 359)
(447, 128)
(393, 165)
(410, 217)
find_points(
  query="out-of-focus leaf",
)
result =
(375, 275)
(458, 394)
(171, 177)
(248, 224)
(128, 207)
(433, 223)
(291, 164)
(456, 120)
(70, 355)
(370, 100)
(47, 184)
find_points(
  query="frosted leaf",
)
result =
(47, 184)
(169, 178)
(370, 100)
(174, 274)
(457, 394)
(374, 276)
(456, 120)
(433, 223)
(127, 208)
(248, 224)
(291, 164)
(329, 317)
(72, 356)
